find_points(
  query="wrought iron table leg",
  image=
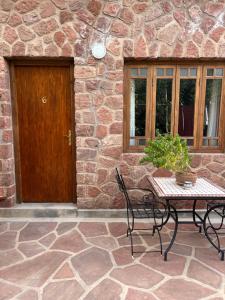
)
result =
(194, 216)
(175, 218)
(214, 228)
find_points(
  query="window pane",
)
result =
(187, 108)
(210, 72)
(169, 72)
(183, 72)
(134, 72)
(193, 71)
(160, 71)
(212, 111)
(219, 72)
(137, 108)
(163, 105)
(143, 72)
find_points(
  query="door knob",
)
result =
(69, 136)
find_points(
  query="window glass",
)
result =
(219, 72)
(143, 72)
(211, 112)
(160, 71)
(210, 72)
(186, 109)
(163, 105)
(183, 72)
(193, 71)
(137, 109)
(134, 72)
(169, 72)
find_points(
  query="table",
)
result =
(166, 189)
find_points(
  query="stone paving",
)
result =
(91, 260)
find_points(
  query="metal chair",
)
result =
(146, 208)
(212, 229)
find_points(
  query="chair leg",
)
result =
(160, 240)
(131, 242)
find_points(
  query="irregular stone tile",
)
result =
(17, 225)
(48, 240)
(195, 239)
(71, 241)
(154, 240)
(106, 242)
(65, 226)
(117, 229)
(30, 248)
(110, 289)
(9, 257)
(177, 289)
(8, 240)
(69, 290)
(36, 271)
(203, 274)
(92, 264)
(122, 256)
(28, 295)
(64, 272)
(138, 295)
(36, 230)
(183, 227)
(174, 265)
(3, 226)
(8, 291)
(210, 257)
(181, 249)
(137, 276)
(124, 240)
(90, 229)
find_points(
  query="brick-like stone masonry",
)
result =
(92, 261)
(129, 29)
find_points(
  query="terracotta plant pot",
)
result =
(181, 177)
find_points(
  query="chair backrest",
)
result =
(123, 189)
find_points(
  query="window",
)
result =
(187, 99)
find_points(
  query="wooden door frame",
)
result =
(15, 124)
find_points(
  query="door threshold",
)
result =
(40, 210)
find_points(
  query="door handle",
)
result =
(69, 136)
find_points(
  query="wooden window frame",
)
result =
(200, 92)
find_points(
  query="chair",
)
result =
(146, 208)
(213, 229)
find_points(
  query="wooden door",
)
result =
(44, 132)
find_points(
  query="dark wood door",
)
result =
(44, 127)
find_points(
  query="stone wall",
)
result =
(130, 29)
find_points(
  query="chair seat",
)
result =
(142, 211)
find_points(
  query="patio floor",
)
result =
(91, 260)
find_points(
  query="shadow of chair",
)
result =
(147, 207)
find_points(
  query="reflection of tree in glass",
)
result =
(140, 106)
(163, 105)
(187, 91)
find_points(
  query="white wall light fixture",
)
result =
(98, 50)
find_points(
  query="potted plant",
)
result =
(171, 153)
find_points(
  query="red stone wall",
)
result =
(129, 29)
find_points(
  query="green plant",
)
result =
(168, 152)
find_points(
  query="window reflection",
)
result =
(187, 108)
(163, 105)
(211, 112)
(137, 109)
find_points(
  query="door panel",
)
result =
(43, 96)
